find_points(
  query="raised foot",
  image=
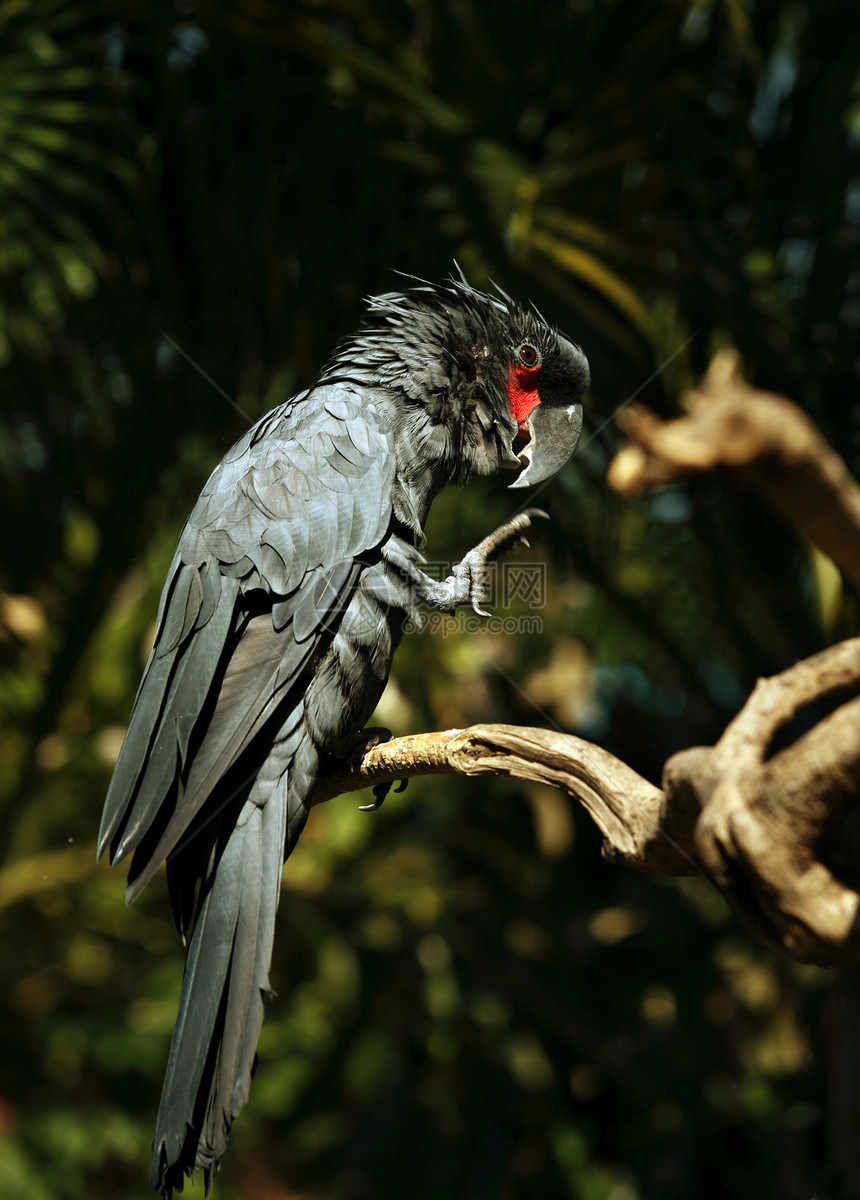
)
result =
(473, 569)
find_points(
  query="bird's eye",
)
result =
(529, 356)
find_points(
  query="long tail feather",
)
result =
(213, 1051)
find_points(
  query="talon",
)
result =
(379, 793)
(402, 786)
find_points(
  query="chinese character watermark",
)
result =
(508, 586)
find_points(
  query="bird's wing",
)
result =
(265, 565)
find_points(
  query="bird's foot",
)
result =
(469, 583)
(354, 748)
(356, 745)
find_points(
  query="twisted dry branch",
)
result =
(757, 825)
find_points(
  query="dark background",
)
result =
(472, 1003)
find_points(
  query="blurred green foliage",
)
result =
(472, 1003)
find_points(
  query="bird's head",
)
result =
(472, 373)
(545, 376)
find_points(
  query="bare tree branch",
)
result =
(756, 824)
(628, 810)
(765, 820)
(760, 440)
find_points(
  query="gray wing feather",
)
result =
(262, 523)
(174, 699)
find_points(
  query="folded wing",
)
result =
(264, 567)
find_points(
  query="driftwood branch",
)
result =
(766, 821)
(630, 812)
(740, 434)
(763, 823)
(758, 825)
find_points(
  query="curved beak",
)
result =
(553, 437)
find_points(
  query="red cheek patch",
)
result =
(522, 391)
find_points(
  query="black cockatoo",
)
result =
(283, 605)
